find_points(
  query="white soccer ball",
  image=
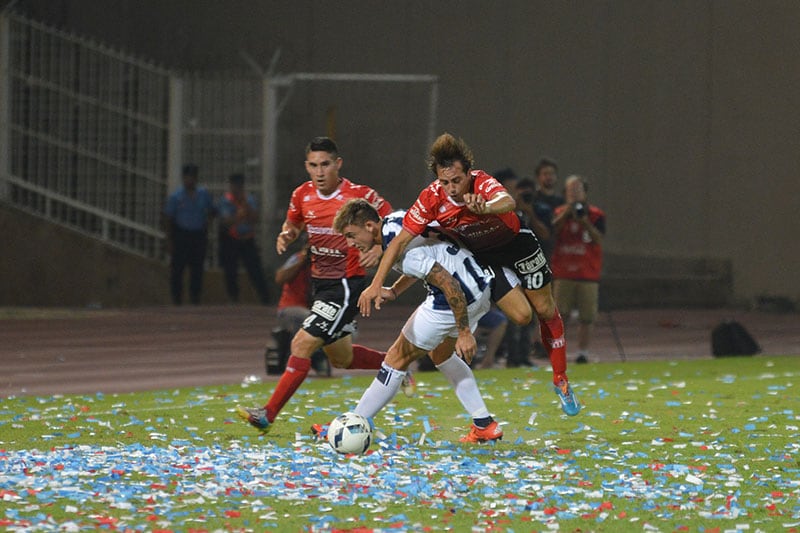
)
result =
(350, 433)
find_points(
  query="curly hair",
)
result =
(446, 150)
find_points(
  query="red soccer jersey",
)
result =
(331, 258)
(477, 232)
(575, 255)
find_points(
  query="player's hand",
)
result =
(466, 345)
(388, 294)
(369, 296)
(285, 238)
(475, 202)
(371, 257)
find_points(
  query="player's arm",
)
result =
(289, 233)
(500, 202)
(466, 346)
(373, 292)
(400, 286)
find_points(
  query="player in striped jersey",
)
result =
(458, 295)
(475, 207)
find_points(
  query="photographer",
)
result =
(537, 215)
(578, 258)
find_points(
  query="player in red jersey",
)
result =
(478, 210)
(337, 276)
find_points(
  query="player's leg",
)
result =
(344, 354)
(422, 332)
(462, 379)
(297, 366)
(386, 384)
(516, 306)
(535, 276)
(551, 327)
(329, 324)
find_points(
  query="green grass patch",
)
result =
(695, 445)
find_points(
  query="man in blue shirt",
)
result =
(188, 211)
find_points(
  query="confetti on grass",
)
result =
(602, 476)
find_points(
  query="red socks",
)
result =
(295, 373)
(297, 369)
(366, 358)
(553, 339)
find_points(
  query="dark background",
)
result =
(684, 115)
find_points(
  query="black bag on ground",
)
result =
(730, 338)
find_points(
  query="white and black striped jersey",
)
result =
(433, 246)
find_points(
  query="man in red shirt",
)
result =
(578, 258)
(479, 211)
(337, 276)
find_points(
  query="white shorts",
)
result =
(426, 328)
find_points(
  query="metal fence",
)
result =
(94, 138)
(87, 135)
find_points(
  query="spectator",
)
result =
(187, 213)
(538, 215)
(578, 258)
(238, 214)
(294, 278)
(546, 178)
(517, 337)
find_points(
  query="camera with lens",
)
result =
(580, 209)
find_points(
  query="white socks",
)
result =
(460, 376)
(386, 384)
(380, 391)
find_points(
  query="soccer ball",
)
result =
(350, 433)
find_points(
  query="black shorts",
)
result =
(334, 308)
(524, 255)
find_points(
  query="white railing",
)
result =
(94, 138)
(86, 135)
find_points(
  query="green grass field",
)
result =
(702, 445)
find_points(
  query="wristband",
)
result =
(394, 292)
